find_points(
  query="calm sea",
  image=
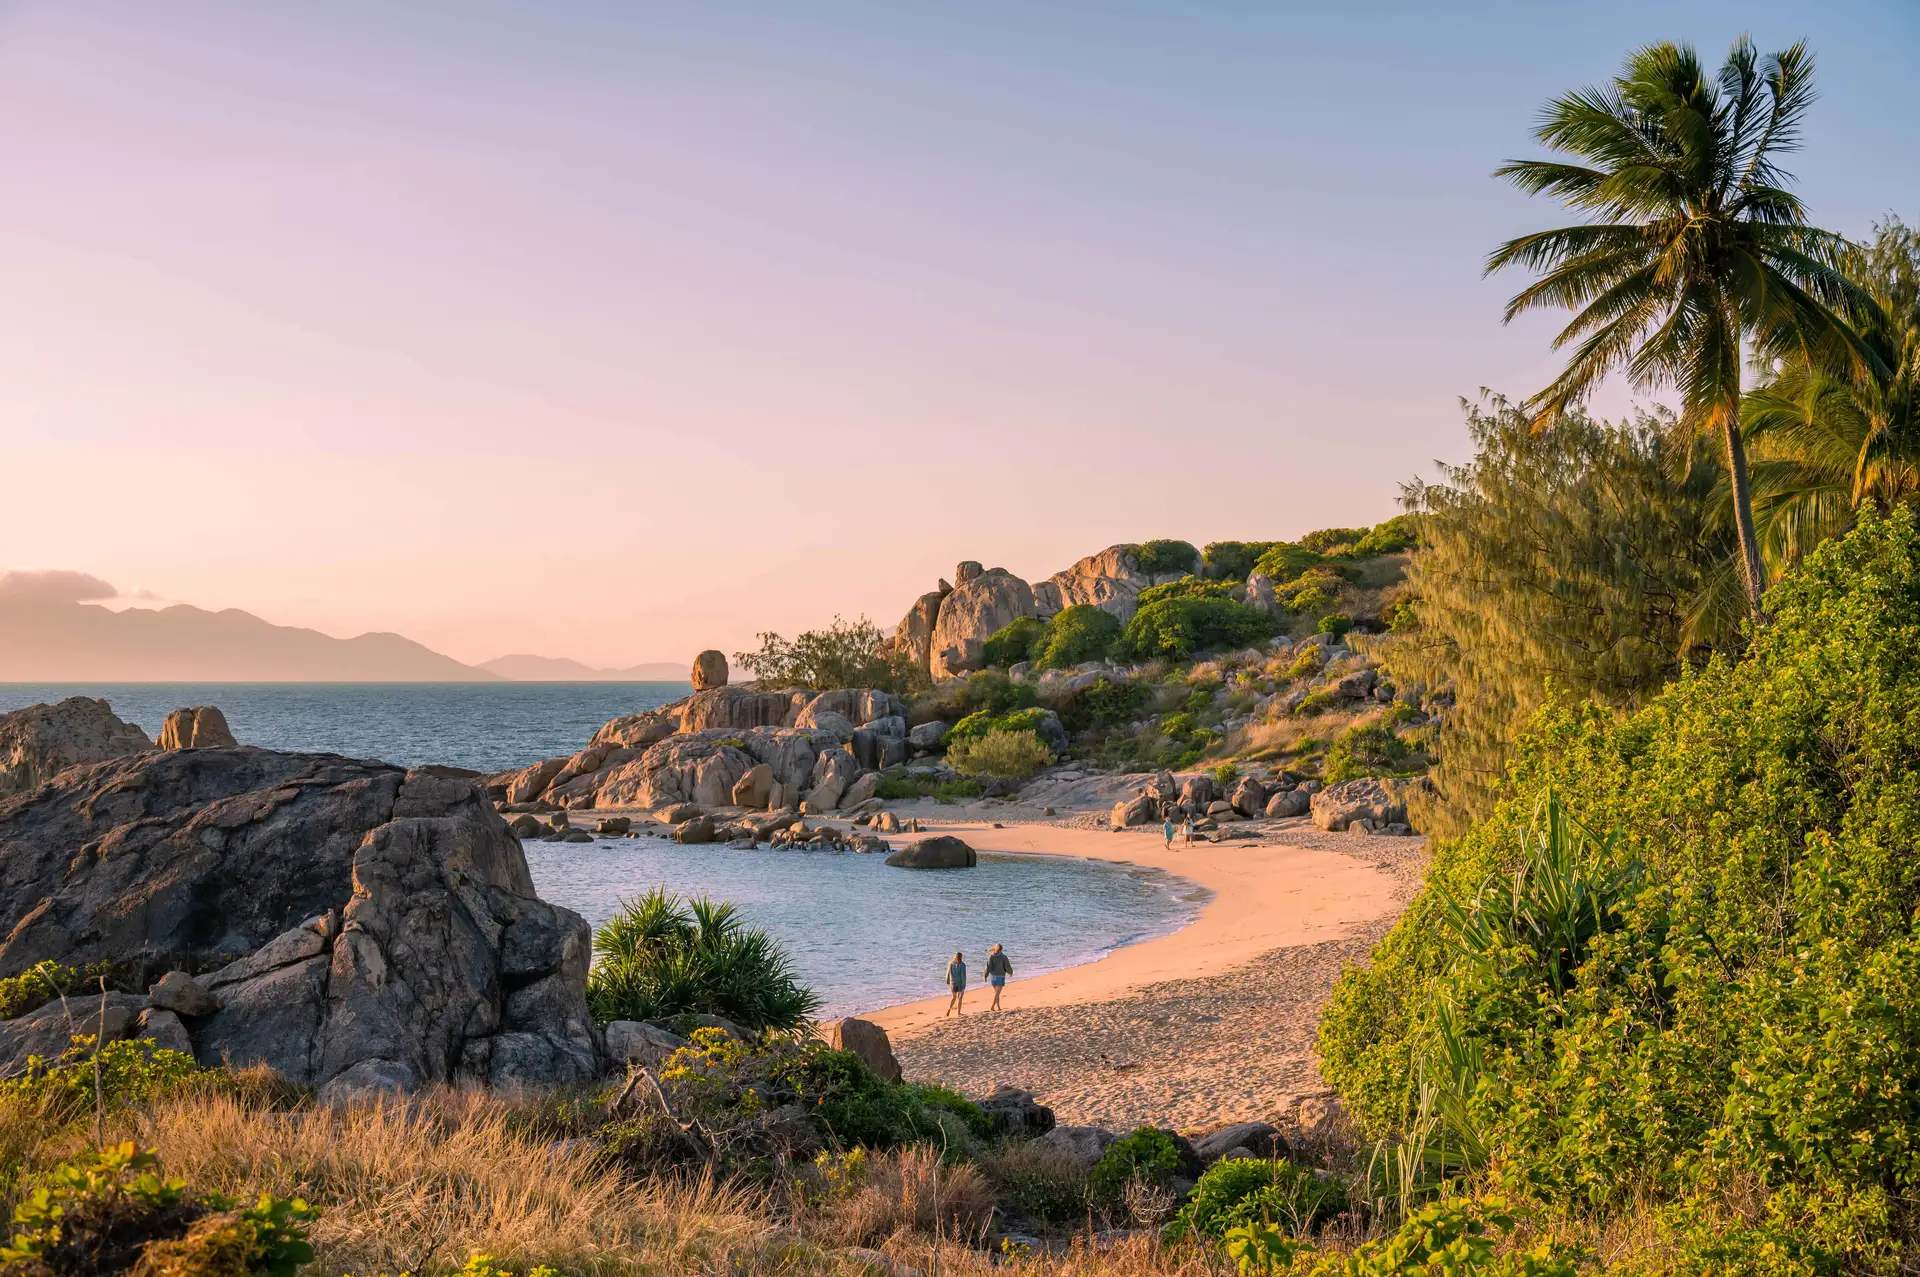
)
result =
(486, 726)
(862, 934)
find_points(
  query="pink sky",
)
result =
(617, 332)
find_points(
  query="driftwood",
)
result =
(691, 1134)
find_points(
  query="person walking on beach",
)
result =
(1186, 830)
(957, 981)
(999, 968)
(1168, 830)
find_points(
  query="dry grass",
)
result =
(910, 1192)
(422, 1185)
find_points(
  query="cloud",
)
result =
(57, 586)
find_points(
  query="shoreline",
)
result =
(1278, 892)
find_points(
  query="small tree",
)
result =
(845, 654)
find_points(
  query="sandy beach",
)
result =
(1212, 1023)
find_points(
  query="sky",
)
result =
(617, 331)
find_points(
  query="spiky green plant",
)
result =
(1697, 248)
(660, 957)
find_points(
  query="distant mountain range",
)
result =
(52, 641)
(558, 669)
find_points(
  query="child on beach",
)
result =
(999, 968)
(1186, 830)
(957, 981)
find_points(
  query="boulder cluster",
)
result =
(1357, 806)
(728, 746)
(357, 926)
(946, 629)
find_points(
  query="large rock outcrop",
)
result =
(41, 741)
(382, 925)
(1110, 580)
(975, 609)
(200, 727)
(1378, 803)
(705, 748)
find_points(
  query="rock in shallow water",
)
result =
(943, 851)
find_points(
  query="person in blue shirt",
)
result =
(957, 981)
(999, 967)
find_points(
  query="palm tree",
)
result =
(1829, 441)
(1697, 250)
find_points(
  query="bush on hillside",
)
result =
(1285, 560)
(1334, 623)
(845, 654)
(1234, 560)
(1370, 750)
(1147, 1154)
(1015, 641)
(1013, 755)
(1079, 633)
(1103, 704)
(1177, 628)
(989, 690)
(1396, 536)
(1709, 988)
(659, 957)
(981, 722)
(1312, 590)
(728, 1085)
(1187, 587)
(1334, 542)
(1161, 558)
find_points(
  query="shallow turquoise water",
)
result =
(866, 936)
(861, 934)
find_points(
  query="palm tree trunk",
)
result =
(1753, 572)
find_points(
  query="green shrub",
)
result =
(1334, 623)
(129, 1073)
(1015, 641)
(1235, 560)
(1187, 587)
(1315, 588)
(1285, 560)
(111, 1212)
(1310, 661)
(1079, 633)
(1103, 704)
(1317, 703)
(659, 958)
(1396, 536)
(1148, 1154)
(1370, 750)
(1249, 1191)
(1175, 629)
(1158, 558)
(981, 722)
(1401, 615)
(1000, 752)
(1456, 1239)
(1720, 993)
(1334, 541)
(45, 982)
(728, 1085)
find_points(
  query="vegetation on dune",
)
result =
(660, 957)
(1673, 971)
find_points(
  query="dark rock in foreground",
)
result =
(379, 928)
(941, 852)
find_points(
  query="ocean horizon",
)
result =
(485, 726)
